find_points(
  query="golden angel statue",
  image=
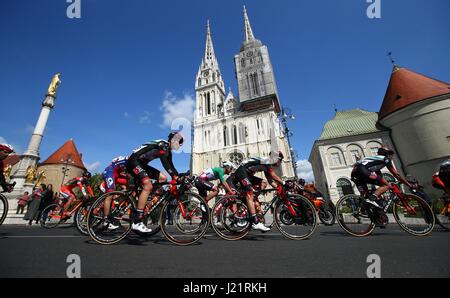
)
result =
(40, 177)
(30, 174)
(56, 80)
(7, 171)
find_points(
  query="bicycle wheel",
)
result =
(326, 215)
(151, 220)
(441, 212)
(230, 218)
(352, 216)
(81, 218)
(295, 219)
(54, 216)
(121, 210)
(414, 215)
(3, 208)
(190, 218)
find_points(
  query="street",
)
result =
(36, 252)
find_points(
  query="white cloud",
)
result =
(176, 108)
(304, 170)
(146, 118)
(2, 140)
(93, 166)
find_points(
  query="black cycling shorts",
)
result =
(203, 187)
(241, 180)
(142, 172)
(362, 176)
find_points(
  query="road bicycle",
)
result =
(4, 206)
(293, 215)
(190, 213)
(411, 212)
(55, 214)
(441, 209)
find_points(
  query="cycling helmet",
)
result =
(176, 140)
(229, 164)
(301, 181)
(385, 151)
(87, 175)
(6, 147)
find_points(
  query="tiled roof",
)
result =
(67, 150)
(407, 87)
(349, 123)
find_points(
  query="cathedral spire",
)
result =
(209, 50)
(248, 28)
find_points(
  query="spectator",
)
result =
(23, 200)
(46, 200)
(33, 210)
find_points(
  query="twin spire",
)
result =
(209, 50)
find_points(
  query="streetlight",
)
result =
(285, 115)
(65, 169)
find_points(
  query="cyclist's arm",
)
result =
(89, 190)
(82, 188)
(167, 163)
(398, 176)
(272, 176)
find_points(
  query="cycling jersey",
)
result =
(212, 174)
(137, 162)
(257, 164)
(444, 173)
(375, 163)
(115, 174)
(80, 182)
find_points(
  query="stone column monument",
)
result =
(25, 175)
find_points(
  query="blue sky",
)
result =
(126, 64)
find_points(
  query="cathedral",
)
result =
(233, 128)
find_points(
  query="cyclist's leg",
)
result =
(201, 187)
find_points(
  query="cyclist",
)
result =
(245, 175)
(137, 165)
(441, 179)
(5, 151)
(368, 171)
(203, 181)
(114, 174)
(82, 182)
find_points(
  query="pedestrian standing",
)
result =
(22, 202)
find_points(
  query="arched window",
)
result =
(199, 82)
(242, 134)
(336, 157)
(344, 187)
(208, 103)
(355, 153)
(226, 140)
(234, 135)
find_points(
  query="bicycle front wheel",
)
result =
(116, 226)
(230, 218)
(54, 216)
(81, 218)
(414, 215)
(352, 214)
(296, 219)
(441, 209)
(190, 219)
(3, 208)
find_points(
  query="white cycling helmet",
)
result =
(229, 164)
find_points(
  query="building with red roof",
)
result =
(416, 110)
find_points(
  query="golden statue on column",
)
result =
(56, 81)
